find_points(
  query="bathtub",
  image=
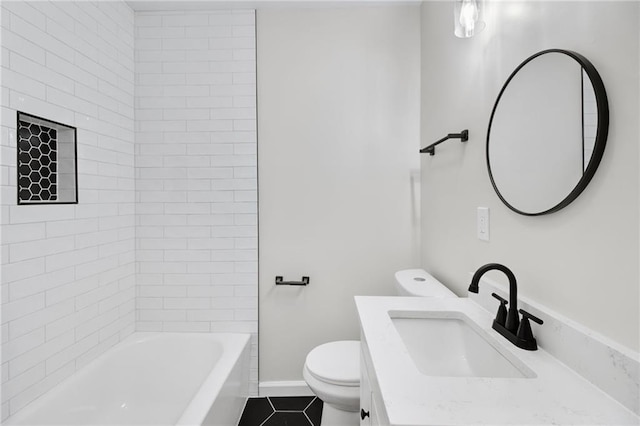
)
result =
(152, 379)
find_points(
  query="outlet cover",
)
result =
(483, 223)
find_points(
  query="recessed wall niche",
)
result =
(47, 161)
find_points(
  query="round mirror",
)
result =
(547, 132)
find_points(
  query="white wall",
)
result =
(67, 270)
(583, 260)
(196, 167)
(338, 124)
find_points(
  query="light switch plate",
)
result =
(483, 223)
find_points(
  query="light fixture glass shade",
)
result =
(468, 17)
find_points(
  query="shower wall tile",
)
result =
(68, 271)
(196, 179)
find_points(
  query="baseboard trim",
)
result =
(284, 388)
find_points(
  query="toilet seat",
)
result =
(337, 363)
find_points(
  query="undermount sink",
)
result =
(450, 347)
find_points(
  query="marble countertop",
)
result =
(554, 394)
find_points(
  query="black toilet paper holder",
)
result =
(280, 281)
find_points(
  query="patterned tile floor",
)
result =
(282, 411)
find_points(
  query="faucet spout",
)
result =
(513, 321)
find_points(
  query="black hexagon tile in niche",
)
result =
(37, 166)
(24, 182)
(35, 189)
(24, 146)
(35, 141)
(24, 171)
(23, 131)
(24, 194)
(35, 177)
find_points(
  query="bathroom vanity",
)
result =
(428, 361)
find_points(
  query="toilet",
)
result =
(332, 370)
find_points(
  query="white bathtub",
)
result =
(152, 379)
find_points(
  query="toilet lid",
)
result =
(337, 363)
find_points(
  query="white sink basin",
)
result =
(450, 346)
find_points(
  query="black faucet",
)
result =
(507, 323)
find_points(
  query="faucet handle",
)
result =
(502, 300)
(532, 317)
(501, 316)
(525, 335)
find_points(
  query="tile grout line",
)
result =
(309, 405)
(305, 412)
(308, 419)
(270, 415)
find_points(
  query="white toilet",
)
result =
(332, 370)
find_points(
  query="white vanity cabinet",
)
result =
(371, 406)
(394, 390)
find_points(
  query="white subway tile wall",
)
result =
(196, 173)
(68, 271)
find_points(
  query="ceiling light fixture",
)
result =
(468, 17)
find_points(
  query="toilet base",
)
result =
(333, 417)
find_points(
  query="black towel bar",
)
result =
(431, 149)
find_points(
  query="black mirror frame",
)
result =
(601, 132)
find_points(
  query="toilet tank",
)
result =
(418, 282)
